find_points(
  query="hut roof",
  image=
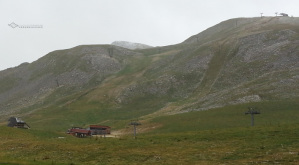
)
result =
(98, 126)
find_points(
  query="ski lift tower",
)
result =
(135, 124)
(252, 111)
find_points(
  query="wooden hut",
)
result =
(99, 129)
(17, 123)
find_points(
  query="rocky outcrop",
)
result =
(130, 45)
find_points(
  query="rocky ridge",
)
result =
(130, 45)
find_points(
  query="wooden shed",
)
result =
(99, 129)
(17, 123)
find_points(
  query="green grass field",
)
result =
(273, 113)
(218, 136)
(268, 145)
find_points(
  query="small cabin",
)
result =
(284, 14)
(99, 129)
(17, 123)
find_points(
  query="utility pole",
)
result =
(135, 124)
(110, 51)
(57, 83)
(159, 50)
(252, 111)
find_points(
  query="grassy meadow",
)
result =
(259, 145)
(218, 136)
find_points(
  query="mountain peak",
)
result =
(130, 45)
(241, 26)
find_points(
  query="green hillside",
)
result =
(272, 114)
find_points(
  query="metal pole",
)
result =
(57, 83)
(135, 124)
(252, 112)
(134, 131)
(252, 119)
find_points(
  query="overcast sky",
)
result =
(68, 23)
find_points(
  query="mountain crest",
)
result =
(130, 45)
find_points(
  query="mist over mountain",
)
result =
(237, 61)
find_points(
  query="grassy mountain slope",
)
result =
(59, 74)
(239, 61)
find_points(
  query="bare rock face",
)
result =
(130, 45)
(247, 99)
